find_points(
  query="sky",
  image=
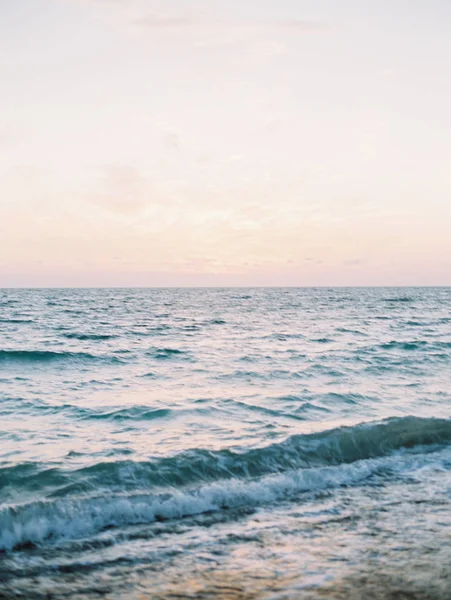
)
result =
(225, 142)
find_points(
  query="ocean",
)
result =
(225, 443)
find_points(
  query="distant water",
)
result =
(239, 443)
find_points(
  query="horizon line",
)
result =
(221, 287)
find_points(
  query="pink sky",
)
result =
(150, 143)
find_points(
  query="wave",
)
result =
(16, 320)
(31, 476)
(28, 407)
(54, 521)
(67, 519)
(349, 330)
(167, 353)
(88, 336)
(150, 375)
(265, 411)
(36, 356)
(190, 328)
(334, 447)
(283, 337)
(331, 447)
(299, 405)
(146, 330)
(403, 299)
(298, 412)
(132, 413)
(412, 345)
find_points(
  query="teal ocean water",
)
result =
(225, 443)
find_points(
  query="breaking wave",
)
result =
(198, 481)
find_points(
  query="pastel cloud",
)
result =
(197, 24)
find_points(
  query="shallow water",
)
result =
(240, 443)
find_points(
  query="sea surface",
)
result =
(225, 443)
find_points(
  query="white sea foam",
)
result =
(72, 519)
